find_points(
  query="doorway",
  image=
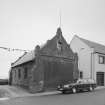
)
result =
(100, 78)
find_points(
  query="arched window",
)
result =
(59, 45)
(25, 73)
(19, 73)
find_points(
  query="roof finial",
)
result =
(59, 32)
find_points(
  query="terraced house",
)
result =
(45, 67)
(91, 59)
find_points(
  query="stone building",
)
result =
(46, 67)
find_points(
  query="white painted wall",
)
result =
(88, 61)
(98, 67)
(84, 56)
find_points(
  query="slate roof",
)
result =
(97, 47)
(28, 56)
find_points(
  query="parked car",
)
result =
(79, 85)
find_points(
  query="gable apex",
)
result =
(59, 32)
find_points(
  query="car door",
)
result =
(85, 85)
(80, 85)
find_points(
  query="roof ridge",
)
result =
(21, 57)
(97, 46)
(92, 42)
(89, 40)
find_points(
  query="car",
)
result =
(79, 85)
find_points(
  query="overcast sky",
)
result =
(26, 23)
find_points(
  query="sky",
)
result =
(27, 23)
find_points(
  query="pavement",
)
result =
(14, 92)
(96, 97)
(100, 87)
(7, 92)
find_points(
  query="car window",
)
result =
(79, 81)
(85, 81)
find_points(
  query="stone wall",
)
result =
(54, 63)
(22, 80)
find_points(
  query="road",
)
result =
(86, 98)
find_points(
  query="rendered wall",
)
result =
(98, 67)
(84, 56)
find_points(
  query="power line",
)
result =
(10, 49)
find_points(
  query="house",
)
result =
(45, 67)
(91, 59)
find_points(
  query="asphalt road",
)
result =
(86, 98)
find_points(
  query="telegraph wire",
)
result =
(10, 49)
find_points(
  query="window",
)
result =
(81, 74)
(15, 73)
(19, 73)
(101, 59)
(25, 73)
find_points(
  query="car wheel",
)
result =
(90, 88)
(74, 90)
